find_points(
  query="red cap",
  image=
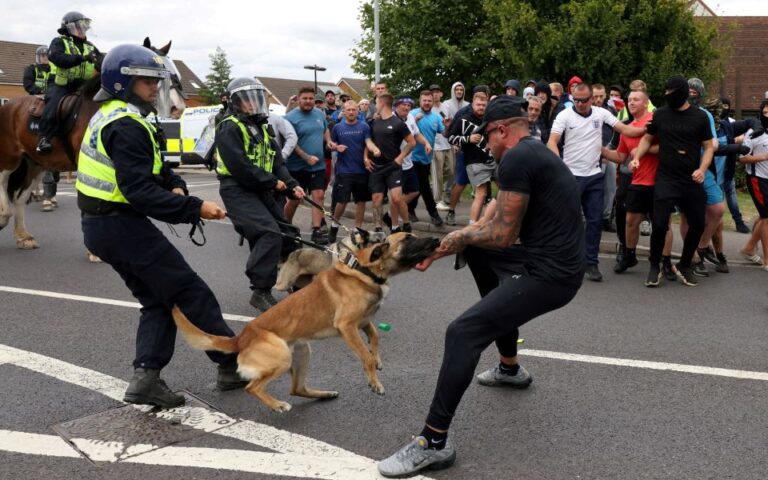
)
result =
(574, 79)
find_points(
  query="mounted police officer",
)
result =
(73, 60)
(121, 183)
(251, 169)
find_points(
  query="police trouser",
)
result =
(510, 298)
(159, 278)
(253, 214)
(54, 94)
(50, 181)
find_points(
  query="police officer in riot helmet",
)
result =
(74, 60)
(121, 184)
(251, 170)
(37, 75)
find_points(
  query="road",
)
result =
(629, 382)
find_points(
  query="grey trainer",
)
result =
(494, 378)
(416, 456)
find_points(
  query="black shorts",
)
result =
(639, 199)
(310, 181)
(351, 185)
(758, 189)
(410, 180)
(385, 177)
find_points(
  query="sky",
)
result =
(261, 38)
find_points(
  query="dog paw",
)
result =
(379, 365)
(282, 407)
(377, 388)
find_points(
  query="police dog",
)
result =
(340, 301)
(302, 265)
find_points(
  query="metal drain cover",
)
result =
(131, 430)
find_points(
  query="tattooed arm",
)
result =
(499, 233)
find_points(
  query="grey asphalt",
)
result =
(577, 421)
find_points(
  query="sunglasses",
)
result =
(582, 100)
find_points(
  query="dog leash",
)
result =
(327, 213)
(297, 239)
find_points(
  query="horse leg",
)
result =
(24, 239)
(5, 204)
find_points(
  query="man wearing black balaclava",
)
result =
(685, 152)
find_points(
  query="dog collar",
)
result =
(349, 259)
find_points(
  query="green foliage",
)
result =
(216, 82)
(489, 41)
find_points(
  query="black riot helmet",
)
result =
(75, 24)
(247, 97)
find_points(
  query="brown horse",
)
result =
(21, 165)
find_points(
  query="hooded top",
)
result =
(450, 107)
(514, 84)
(574, 79)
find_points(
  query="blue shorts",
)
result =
(461, 177)
(714, 192)
(410, 181)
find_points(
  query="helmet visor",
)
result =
(41, 57)
(79, 27)
(250, 100)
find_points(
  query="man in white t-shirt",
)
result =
(756, 163)
(582, 128)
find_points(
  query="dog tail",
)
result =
(201, 340)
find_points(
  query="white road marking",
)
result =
(295, 455)
(671, 367)
(99, 300)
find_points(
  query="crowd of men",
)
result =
(635, 167)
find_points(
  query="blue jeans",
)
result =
(592, 192)
(729, 189)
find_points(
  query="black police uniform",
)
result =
(248, 194)
(151, 267)
(30, 79)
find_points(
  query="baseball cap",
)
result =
(344, 95)
(320, 97)
(404, 99)
(330, 91)
(501, 108)
(434, 87)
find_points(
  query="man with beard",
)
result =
(685, 152)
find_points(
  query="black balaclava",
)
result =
(726, 111)
(679, 92)
(763, 118)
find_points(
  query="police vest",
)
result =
(260, 154)
(95, 170)
(84, 71)
(41, 77)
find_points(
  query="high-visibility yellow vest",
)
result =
(84, 71)
(42, 76)
(95, 171)
(261, 154)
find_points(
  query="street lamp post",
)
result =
(315, 68)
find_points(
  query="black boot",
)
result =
(262, 299)
(147, 388)
(332, 234)
(44, 146)
(629, 260)
(228, 378)
(620, 256)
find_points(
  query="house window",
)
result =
(194, 84)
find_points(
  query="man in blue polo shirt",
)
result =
(430, 124)
(306, 163)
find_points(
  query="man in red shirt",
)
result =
(639, 200)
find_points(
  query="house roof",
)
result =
(282, 89)
(700, 9)
(360, 86)
(15, 56)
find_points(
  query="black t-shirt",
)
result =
(680, 135)
(388, 135)
(551, 235)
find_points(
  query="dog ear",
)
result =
(378, 251)
(365, 236)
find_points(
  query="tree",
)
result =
(216, 82)
(489, 41)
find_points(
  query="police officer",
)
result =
(251, 169)
(121, 182)
(73, 59)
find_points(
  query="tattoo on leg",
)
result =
(377, 216)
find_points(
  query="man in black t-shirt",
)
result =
(538, 204)
(685, 152)
(387, 133)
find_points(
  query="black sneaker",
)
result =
(620, 253)
(686, 276)
(593, 273)
(387, 220)
(412, 216)
(654, 276)
(722, 265)
(436, 219)
(44, 146)
(629, 260)
(742, 227)
(699, 269)
(227, 378)
(262, 299)
(147, 388)
(319, 237)
(332, 234)
(669, 272)
(450, 218)
(395, 229)
(407, 228)
(708, 254)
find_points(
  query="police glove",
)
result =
(757, 132)
(744, 150)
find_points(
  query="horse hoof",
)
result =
(27, 244)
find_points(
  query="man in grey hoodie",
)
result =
(456, 102)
